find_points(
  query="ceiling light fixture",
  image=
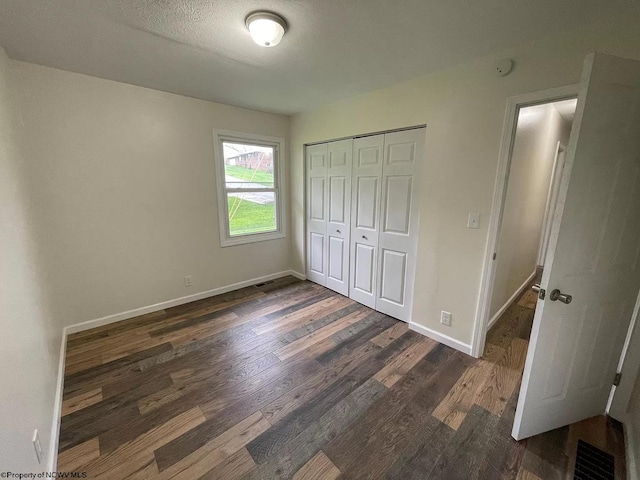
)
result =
(267, 29)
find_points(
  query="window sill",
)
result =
(251, 238)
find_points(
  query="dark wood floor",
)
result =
(290, 380)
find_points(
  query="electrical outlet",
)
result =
(37, 446)
(445, 318)
(187, 281)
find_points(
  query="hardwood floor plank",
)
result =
(355, 330)
(401, 364)
(123, 461)
(322, 321)
(75, 458)
(385, 430)
(508, 326)
(423, 451)
(235, 467)
(308, 314)
(529, 299)
(545, 455)
(346, 348)
(454, 407)
(162, 397)
(525, 474)
(318, 468)
(389, 335)
(504, 455)
(247, 398)
(216, 451)
(503, 378)
(310, 390)
(318, 335)
(295, 454)
(104, 374)
(81, 401)
(464, 454)
(89, 336)
(103, 418)
(84, 363)
(268, 444)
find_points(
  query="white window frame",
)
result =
(277, 143)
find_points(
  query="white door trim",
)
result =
(499, 195)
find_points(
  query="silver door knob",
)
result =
(365, 237)
(558, 295)
(338, 231)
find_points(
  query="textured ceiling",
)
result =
(333, 49)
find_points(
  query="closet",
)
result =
(362, 218)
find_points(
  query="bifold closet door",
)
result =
(398, 237)
(317, 206)
(367, 174)
(339, 215)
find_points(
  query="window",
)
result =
(249, 187)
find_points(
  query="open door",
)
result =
(592, 268)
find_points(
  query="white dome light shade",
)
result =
(266, 29)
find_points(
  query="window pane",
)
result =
(248, 166)
(251, 212)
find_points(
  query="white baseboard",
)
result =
(136, 312)
(298, 275)
(508, 303)
(57, 406)
(98, 322)
(440, 337)
(630, 451)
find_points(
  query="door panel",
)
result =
(397, 209)
(367, 172)
(364, 269)
(336, 258)
(367, 202)
(394, 266)
(398, 238)
(592, 255)
(337, 200)
(317, 206)
(317, 200)
(316, 253)
(340, 156)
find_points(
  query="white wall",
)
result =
(30, 343)
(123, 190)
(539, 129)
(463, 108)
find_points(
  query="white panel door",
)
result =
(339, 215)
(367, 175)
(593, 255)
(317, 213)
(398, 220)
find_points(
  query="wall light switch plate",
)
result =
(474, 220)
(445, 318)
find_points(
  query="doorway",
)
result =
(541, 133)
(513, 192)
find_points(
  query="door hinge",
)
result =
(616, 379)
(494, 256)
